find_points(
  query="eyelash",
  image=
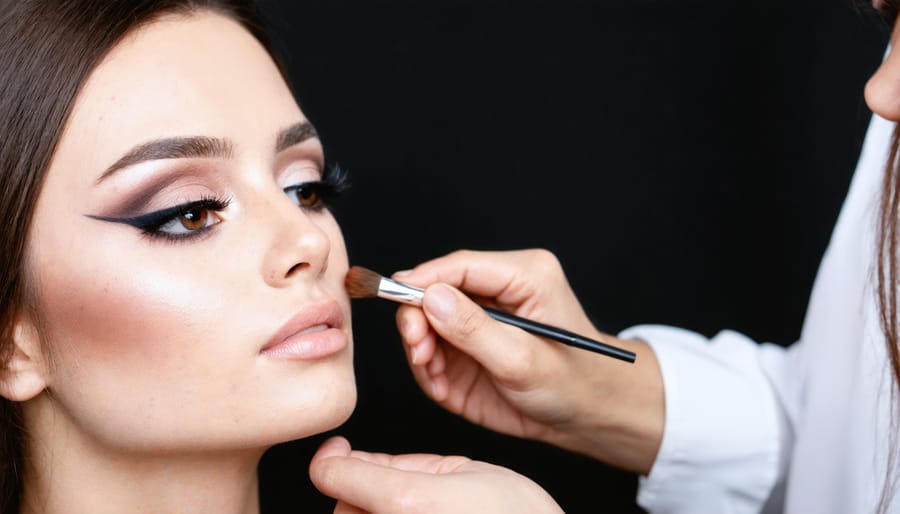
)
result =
(333, 183)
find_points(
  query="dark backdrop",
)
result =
(684, 159)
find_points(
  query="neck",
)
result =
(69, 473)
(133, 484)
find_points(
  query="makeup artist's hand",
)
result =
(380, 483)
(516, 383)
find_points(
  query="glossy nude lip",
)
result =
(313, 333)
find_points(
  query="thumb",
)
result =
(360, 484)
(464, 324)
(336, 446)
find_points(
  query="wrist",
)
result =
(618, 408)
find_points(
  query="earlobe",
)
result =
(23, 375)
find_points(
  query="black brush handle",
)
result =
(563, 336)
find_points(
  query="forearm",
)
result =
(618, 408)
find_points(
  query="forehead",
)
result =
(201, 74)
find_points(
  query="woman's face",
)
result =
(220, 323)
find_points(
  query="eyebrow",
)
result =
(202, 147)
(295, 134)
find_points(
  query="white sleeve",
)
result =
(725, 433)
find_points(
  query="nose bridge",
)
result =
(297, 247)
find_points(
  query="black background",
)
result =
(686, 161)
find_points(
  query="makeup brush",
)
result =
(365, 283)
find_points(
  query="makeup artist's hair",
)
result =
(886, 270)
(48, 48)
(886, 260)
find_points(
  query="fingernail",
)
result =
(402, 273)
(440, 301)
(415, 354)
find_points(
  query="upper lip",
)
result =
(326, 313)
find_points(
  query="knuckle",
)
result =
(545, 265)
(545, 259)
(461, 254)
(470, 322)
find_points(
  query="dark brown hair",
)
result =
(886, 271)
(48, 48)
(886, 260)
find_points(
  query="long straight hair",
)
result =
(886, 267)
(886, 272)
(48, 48)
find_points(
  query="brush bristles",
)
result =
(362, 283)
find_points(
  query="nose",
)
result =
(299, 247)
(883, 89)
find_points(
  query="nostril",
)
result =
(296, 268)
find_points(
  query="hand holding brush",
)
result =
(365, 283)
(509, 380)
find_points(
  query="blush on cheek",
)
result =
(114, 319)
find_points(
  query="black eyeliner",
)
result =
(334, 182)
(152, 221)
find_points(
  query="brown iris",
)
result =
(307, 196)
(194, 219)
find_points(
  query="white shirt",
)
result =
(752, 427)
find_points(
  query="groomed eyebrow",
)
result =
(172, 148)
(295, 134)
(202, 147)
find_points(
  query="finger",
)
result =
(479, 273)
(336, 446)
(435, 387)
(345, 508)
(363, 484)
(508, 353)
(426, 350)
(416, 334)
(428, 463)
(411, 323)
(440, 388)
(507, 276)
(437, 364)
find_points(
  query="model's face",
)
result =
(165, 284)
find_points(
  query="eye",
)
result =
(309, 195)
(192, 219)
(319, 194)
(180, 222)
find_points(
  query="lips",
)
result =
(313, 333)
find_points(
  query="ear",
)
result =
(24, 375)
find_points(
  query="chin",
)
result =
(307, 420)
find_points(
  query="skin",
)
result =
(519, 384)
(422, 484)
(144, 382)
(142, 370)
(883, 88)
(515, 383)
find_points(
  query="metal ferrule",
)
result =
(400, 292)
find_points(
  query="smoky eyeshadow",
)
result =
(135, 203)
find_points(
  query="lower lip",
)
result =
(312, 346)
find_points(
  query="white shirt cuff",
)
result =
(720, 446)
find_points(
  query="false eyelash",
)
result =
(334, 181)
(337, 179)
